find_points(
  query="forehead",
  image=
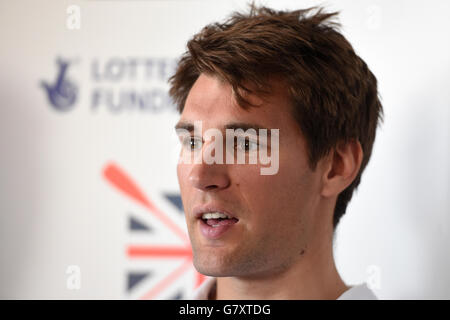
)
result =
(212, 101)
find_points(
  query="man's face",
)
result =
(275, 213)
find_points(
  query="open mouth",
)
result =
(215, 224)
(217, 219)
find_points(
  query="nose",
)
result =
(209, 177)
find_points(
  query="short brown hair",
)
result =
(334, 94)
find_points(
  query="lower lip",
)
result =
(214, 232)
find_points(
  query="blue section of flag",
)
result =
(135, 277)
(135, 225)
(175, 199)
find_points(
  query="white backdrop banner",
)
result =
(89, 200)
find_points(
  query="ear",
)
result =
(342, 167)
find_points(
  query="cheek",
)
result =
(179, 172)
(183, 175)
(262, 196)
(281, 201)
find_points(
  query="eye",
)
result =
(247, 144)
(191, 142)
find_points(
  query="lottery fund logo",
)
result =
(62, 93)
(180, 255)
(116, 85)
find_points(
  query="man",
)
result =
(269, 236)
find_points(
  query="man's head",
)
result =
(295, 72)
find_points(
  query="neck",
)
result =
(312, 276)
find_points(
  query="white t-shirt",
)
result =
(357, 292)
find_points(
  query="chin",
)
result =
(212, 268)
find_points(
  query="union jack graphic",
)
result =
(153, 253)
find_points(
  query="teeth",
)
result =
(214, 215)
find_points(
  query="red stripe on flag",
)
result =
(199, 279)
(118, 178)
(158, 252)
(160, 286)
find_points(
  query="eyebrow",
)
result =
(184, 125)
(233, 125)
